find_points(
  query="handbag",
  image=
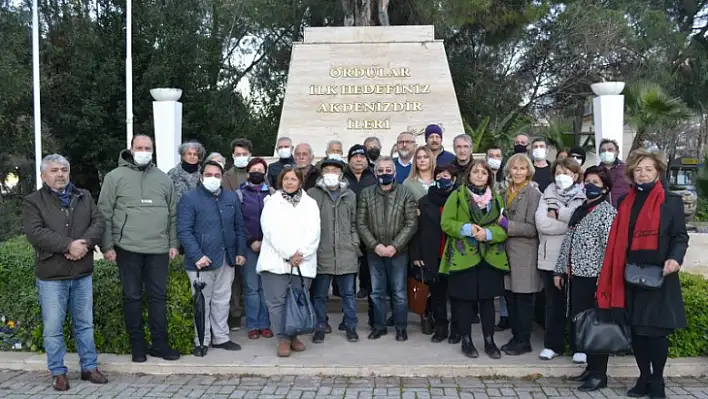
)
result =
(644, 276)
(299, 313)
(601, 337)
(418, 292)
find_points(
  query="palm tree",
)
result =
(649, 109)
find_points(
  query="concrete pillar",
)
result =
(167, 117)
(608, 113)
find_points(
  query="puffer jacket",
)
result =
(338, 252)
(387, 217)
(552, 231)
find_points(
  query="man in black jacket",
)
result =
(64, 225)
(284, 149)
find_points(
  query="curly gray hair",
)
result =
(192, 145)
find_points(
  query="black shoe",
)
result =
(352, 336)
(228, 345)
(426, 325)
(490, 348)
(328, 328)
(318, 337)
(200, 351)
(138, 352)
(401, 335)
(139, 358)
(165, 352)
(342, 326)
(389, 322)
(362, 294)
(513, 341)
(641, 388)
(376, 334)
(657, 388)
(454, 339)
(582, 377)
(439, 336)
(475, 319)
(468, 348)
(593, 383)
(503, 324)
(518, 349)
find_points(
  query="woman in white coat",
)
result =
(291, 235)
(555, 208)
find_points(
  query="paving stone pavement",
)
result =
(18, 384)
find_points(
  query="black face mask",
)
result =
(646, 187)
(520, 149)
(256, 177)
(373, 153)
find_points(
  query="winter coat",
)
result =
(552, 231)
(416, 187)
(387, 217)
(184, 182)
(426, 243)
(585, 243)
(620, 184)
(210, 225)
(367, 179)
(338, 252)
(234, 178)
(50, 228)
(139, 205)
(444, 158)
(288, 229)
(461, 170)
(251, 199)
(522, 244)
(275, 168)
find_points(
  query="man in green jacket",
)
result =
(387, 220)
(139, 203)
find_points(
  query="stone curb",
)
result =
(619, 368)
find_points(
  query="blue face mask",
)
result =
(646, 186)
(445, 184)
(592, 191)
(385, 179)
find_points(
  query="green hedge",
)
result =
(19, 304)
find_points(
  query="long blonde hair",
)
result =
(414, 164)
(522, 158)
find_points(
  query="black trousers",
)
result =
(555, 323)
(364, 275)
(521, 314)
(438, 307)
(149, 270)
(464, 313)
(651, 353)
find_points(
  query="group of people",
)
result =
(475, 230)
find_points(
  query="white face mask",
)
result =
(142, 158)
(494, 164)
(564, 182)
(608, 157)
(539, 154)
(330, 179)
(284, 153)
(211, 183)
(241, 161)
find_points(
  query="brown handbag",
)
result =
(417, 296)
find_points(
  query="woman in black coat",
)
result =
(426, 251)
(649, 233)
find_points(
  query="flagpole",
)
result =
(37, 102)
(129, 72)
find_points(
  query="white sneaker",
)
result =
(547, 354)
(580, 358)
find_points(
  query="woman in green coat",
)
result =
(474, 257)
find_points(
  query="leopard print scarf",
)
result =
(294, 198)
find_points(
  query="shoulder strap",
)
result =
(239, 194)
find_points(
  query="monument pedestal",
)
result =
(349, 83)
(608, 113)
(167, 114)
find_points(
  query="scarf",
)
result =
(190, 167)
(293, 198)
(565, 196)
(645, 237)
(483, 199)
(511, 193)
(437, 196)
(65, 196)
(584, 209)
(481, 216)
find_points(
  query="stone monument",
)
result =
(348, 83)
(608, 114)
(167, 114)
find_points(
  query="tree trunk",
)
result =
(638, 141)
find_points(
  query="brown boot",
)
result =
(297, 345)
(284, 348)
(94, 376)
(60, 383)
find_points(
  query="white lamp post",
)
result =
(129, 72)
(37, 102)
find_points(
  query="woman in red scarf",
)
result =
(649, 231)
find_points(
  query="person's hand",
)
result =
(110, 255)
(390, 251)
(296, 259)
(256, 246)
(671, 266)
(240, 261)
(68, 256)
(481, 234)
(418, 263)
(558, 282)
(203, 262)
(78, 249)
(380, 250)
(173, 253)
(553, 214)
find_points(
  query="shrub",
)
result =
(19, 304)
(692, 341)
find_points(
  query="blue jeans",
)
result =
(503, 311)
(54, 298)
(345, 282)
(389, 274)
(253, 300)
